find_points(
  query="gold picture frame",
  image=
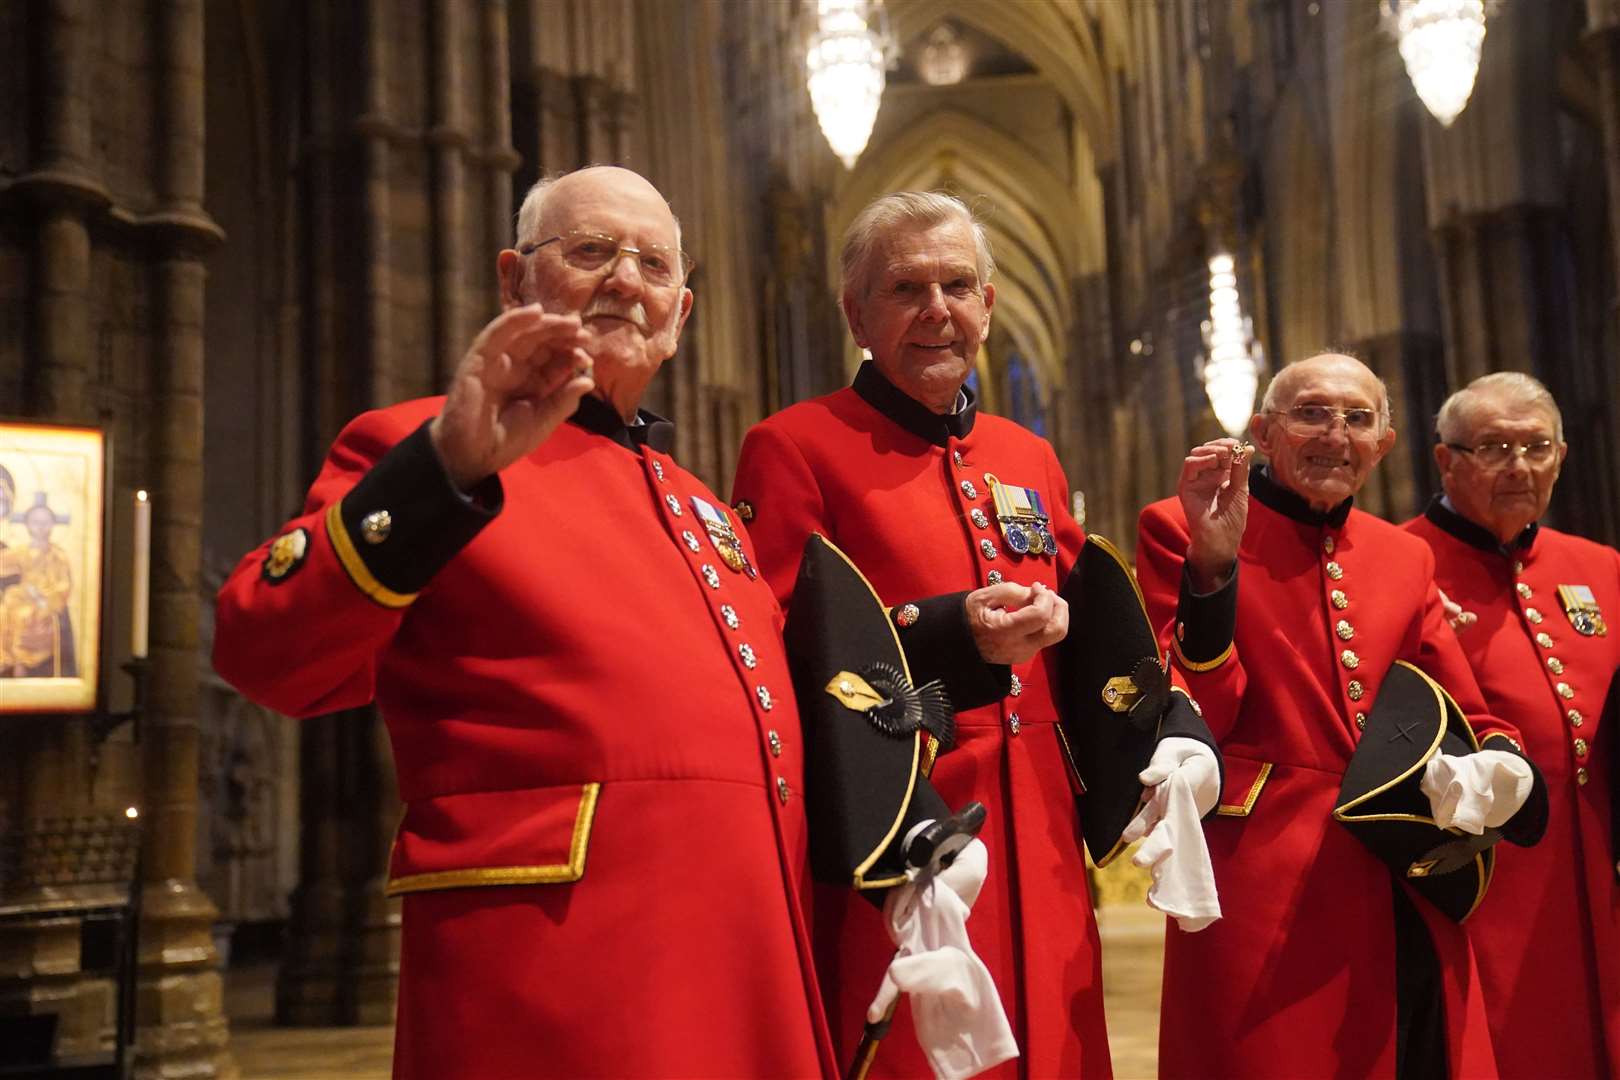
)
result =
(53, 483)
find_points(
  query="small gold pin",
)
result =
(1241, 452)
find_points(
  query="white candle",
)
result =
(142, 575)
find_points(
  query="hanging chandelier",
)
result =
(1233, 359)
(1440, 42)
(846, 61)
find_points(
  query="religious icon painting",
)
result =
(52, 509)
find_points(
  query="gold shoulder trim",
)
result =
(1244, 808)
(356, 567)
(554, 874)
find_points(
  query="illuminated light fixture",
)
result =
(1233, 358)
(846, 61)
(944, 60)
(1440, 41)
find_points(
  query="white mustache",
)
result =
(630, 310)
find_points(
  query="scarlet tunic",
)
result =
(1548, 935)
(897, 488)
(1303, 974)
(604, 843)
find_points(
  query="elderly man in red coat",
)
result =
(1537, 612)
(961, 521)
(604, 840)
(1285, 607)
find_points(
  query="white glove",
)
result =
(956, 1012)
(1478, 791)
(1185, 780)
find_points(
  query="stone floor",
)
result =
(1132, 945)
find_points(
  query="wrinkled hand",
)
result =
(522, 377)
(1478, 791)
(1459, 619)
(1013, 622)
(1214, 493)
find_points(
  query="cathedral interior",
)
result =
(228, 226)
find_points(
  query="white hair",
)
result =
(532, 211)
(1455, 421)
(1284, 380)
(905, 209)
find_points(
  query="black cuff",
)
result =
(1205, 623)
(939, 645)
(405, 520)
(1527, 825)
(1183, 720)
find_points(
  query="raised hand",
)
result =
(1214, 493)
(1012, 622)
(522, 377)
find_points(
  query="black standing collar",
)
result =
(599, 418)
(1290, 504)
(1474, 534)
(911, 414)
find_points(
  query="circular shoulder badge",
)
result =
(286, 555)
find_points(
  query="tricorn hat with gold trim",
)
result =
(1116, 697)
(1382, 803)
(870, 735)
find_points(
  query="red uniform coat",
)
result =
(896, 487)
(604, 845)
(1300, 976)
(1548, 935)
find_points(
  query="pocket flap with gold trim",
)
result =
(533, 836)
(1244, 779)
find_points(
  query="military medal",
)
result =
(723, 537)
(1023, 518)
(1583, 611)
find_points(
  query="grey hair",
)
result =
(1268, 403)
(1454, 421)
(908, 209)
(533, 206)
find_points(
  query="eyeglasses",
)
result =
(593, 251)
(1309, 421)
(1495, 455)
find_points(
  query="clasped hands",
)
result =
(1012, 623)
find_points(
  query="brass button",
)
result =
(907, 616)
(979, 517)
(1580, 748)
(1013, 723)
(1565, 691)
(674, 504)
(993, 577)
(1356, 690)
(729, 613)
(1335, 571)
(1580, 776)
(710, 575)
(969, 490)
(1533, 615)
(782, 791)
(1544, 639)
(1575, 717)
(658, 470)
(987, 549)
(1361, 720)
(1327, 544)
(1017, 686)
(1555, 665)
(1349, 659)
(776, 742)
(746, 651)
(764, 695)
(1524, 590)
(1340, 601)
(376, 526)
(956, 456)
(691, 540)
(1344, 630)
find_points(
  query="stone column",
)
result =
(180, 1017)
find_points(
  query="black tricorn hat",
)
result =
(1116, 697)
(1382, 803)
(870, 736)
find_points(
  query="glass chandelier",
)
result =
(846, 61)
(1233, 359)
(1440, 41)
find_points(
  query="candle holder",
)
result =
(103, 724)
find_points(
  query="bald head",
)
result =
(547, 199)
(1286, 383)
(1323, 425)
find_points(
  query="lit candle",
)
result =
(142, 575)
